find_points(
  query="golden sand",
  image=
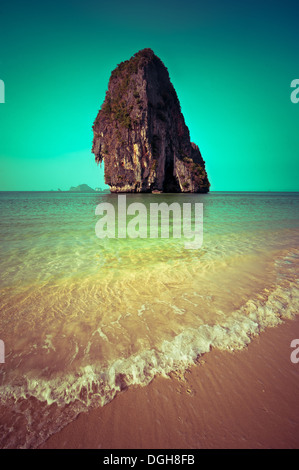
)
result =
(243, 399)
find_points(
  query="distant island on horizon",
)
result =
(83, 188)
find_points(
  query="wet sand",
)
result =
(242, 399)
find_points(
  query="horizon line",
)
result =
(105, 189)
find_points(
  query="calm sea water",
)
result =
(83, 318)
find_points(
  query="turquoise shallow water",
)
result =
(82, 317)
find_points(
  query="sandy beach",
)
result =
(245, 399)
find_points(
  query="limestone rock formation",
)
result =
(141, 135)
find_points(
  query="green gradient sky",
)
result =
(231, 64)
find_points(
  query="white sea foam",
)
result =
(48, 343)
(101, 334)
(93, 385)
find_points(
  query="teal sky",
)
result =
(231, 63)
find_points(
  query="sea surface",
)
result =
(83, 318)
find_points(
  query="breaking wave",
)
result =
(64, 396)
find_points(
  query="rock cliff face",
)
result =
(141, 134)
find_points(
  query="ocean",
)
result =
(82, 318)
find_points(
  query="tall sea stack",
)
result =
(141, 134)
